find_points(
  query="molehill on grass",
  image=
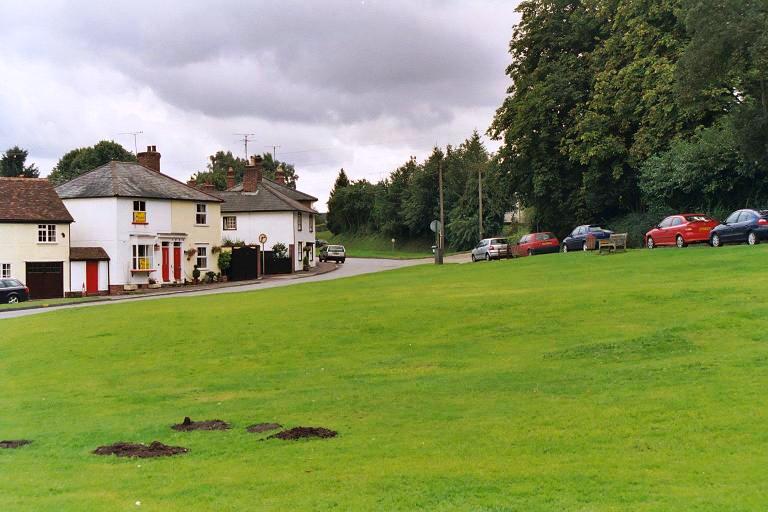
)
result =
(155, 449)
(16, 443)
(257, 428)
(304, 432)
(188, 425)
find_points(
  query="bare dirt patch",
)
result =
(16, 443)
(188, 425)
(155, 449)
(263, 427)
(303, 433)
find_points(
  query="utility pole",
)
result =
(480, 198)
(245, 140)
(441, 241)
(274, 151)
(135, 145)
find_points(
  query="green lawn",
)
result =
(563, 382)
(378, 246)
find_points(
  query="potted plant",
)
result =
(190, 252)
(225, 262)
(153, 283)
(305, 262)
(196, 274)
(210, 277)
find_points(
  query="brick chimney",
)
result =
(252, 176)
(192, 182)
(230, 177)
(150, 158)
(280, 175)
(207, 187)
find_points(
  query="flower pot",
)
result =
(154, 285)
(130, 287)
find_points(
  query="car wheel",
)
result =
(584, 247)
(474, 259)
(343, 260)
(13, 299)
(680, 241)
(715, 241)
(565, 247)
(487, 257)
(752, 238)
(530, 252)
(650, 243)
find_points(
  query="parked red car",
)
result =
(681, 230)
(536, 243)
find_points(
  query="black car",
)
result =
(577, 240)
(12, 291)
(750, 226)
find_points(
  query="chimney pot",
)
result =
(230, 177)
(252, 175)
(150, 158)
(280, 175)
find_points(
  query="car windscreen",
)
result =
(498, 241)
(697, 218)
(595, 228)
(544, 236)
(336, 248)
(10, 283)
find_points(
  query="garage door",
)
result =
(45, 279)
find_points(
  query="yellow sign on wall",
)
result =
(139, 217)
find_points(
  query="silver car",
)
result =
(335, 253)
(490, 249)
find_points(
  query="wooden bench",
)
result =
(614, 243)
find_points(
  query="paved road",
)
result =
(352, 267)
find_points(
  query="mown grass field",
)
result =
(562, 382)
(378, 246)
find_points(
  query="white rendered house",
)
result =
(152, 227)
(34, 237)
(261, 206)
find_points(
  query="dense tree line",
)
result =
(623, 110)
(404, 204)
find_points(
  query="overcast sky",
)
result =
(355, 84)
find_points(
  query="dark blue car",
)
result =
(750, 226)
(577, 240)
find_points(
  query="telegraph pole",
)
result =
(274, 151)
(441, 240)
(480, 198)
(246, 140)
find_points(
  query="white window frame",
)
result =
(224, 225)
(46, 233)
(311, 222)
(198, 257)
(201, 213)
(137, 258)
(140, 206)
(298, 221)
(5, 270)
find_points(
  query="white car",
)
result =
(490, 249)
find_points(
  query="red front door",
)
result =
(177, 263)
(92, 277)
(166, 265)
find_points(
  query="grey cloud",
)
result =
(331, 62)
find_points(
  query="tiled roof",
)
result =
(87, 253)
(129, 179)
(287, 191)
(31, 200)
(266, 199)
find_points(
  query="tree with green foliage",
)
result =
(551, 76)
(335, 220)
(81, 160)
(13, 164)
(220, 162)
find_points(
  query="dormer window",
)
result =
(139, 212)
